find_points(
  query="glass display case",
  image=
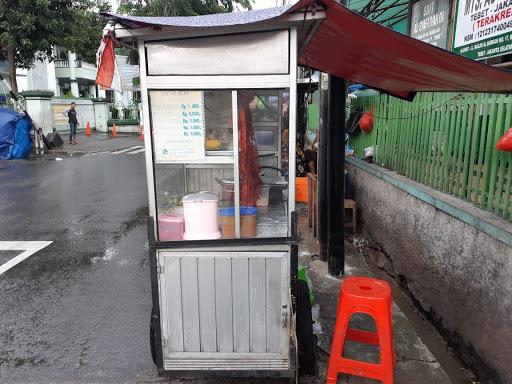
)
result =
(206, 190)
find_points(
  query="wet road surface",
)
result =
(78, 310)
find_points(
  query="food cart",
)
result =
(219, 101)
(219, 107)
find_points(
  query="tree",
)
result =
(87, 28)
(29, 29)
(180, 7)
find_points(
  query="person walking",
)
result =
(72, 115)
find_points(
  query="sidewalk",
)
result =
(97, 142)
(415, 363)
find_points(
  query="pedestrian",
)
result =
(72, 115)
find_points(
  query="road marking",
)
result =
(126, 150)
(136, 151)
(28, 248)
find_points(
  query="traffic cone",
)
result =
(88, 131)
(114, 130)
(141, 137)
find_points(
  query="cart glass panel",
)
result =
(262, 119)
(193, 150)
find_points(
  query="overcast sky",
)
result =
(258, 4)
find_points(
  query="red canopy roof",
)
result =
(351, 47)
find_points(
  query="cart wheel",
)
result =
(152, 334)
(305, 331)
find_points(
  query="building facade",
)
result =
(66, 75)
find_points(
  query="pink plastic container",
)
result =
(200, 211)
(170, 227)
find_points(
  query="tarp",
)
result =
(356, 87)
(354, 48)
(22, 144)
(8, 121)
(14, 135)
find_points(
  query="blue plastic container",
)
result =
(244, 211)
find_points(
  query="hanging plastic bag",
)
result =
(505, 141)
(369, 151)
(366, 122)
(315, 315)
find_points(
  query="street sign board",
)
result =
(483, 28)
(430, 22)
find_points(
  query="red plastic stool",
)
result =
(371, 297)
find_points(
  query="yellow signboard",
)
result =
(59, 118)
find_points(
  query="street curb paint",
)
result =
(28, 248)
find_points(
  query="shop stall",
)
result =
(220, 109)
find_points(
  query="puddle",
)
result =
(108, 255)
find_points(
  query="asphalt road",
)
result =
(78, 310)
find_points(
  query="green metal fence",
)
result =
(446, 141)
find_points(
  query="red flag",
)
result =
(108, 74)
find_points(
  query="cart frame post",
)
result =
(336, 176)
(322, 166)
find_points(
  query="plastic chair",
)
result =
(371, 297)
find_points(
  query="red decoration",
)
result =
(249, 161)
(366, 122)
(505, 141)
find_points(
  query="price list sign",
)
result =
(178, 125)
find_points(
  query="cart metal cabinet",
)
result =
(233, 315)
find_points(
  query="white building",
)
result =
(68, 75)
(71, 75)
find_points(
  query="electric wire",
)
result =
(421, 114)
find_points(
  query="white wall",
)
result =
(37, 76)
(21, 79)
(52, 80)
(85, 109)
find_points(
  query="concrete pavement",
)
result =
(97, 142)
(415, 362)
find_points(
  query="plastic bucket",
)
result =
(248, 221)
(264, 195)
(301, 189)
(228, 192)
(200, 212)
